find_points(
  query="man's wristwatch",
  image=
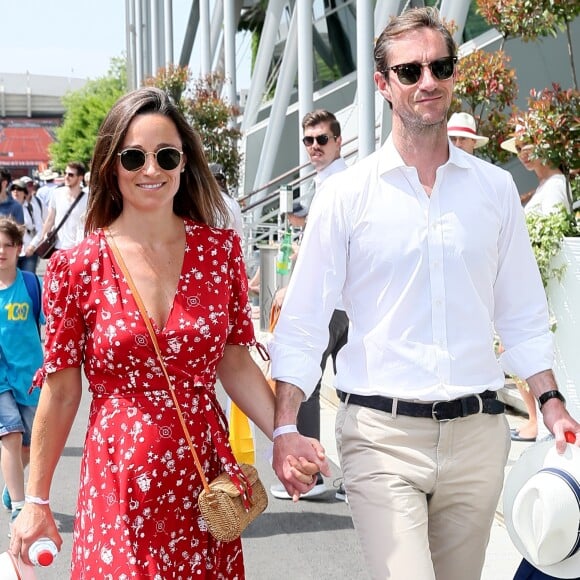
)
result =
(545, 397)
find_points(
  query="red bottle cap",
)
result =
(570, 437)
(45, 558)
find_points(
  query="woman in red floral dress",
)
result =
(137, 517)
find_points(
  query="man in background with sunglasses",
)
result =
(323, 141)
(61, 199)
(428, 247)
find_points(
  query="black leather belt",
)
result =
(486, 402)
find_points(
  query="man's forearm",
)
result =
(288, 400)
(542, 382)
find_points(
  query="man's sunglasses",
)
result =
(167, 158)
(320, 139)
(409, 73)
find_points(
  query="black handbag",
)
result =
(47, 246)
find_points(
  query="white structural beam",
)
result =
(157, 34)
(230, 68)
(130, 43)
(263, 62)
(204, 36)
(277, 119)
(303, 11)
(365, 81)
(457, 11)
(168, 37)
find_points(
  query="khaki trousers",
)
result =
(422, 493)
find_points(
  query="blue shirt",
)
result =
(20, 347)
(11, 207)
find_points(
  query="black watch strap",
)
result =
(554, 394)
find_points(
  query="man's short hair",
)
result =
(413, 19)
(78, 167)
(321, 116)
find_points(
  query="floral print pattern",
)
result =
(137, 514)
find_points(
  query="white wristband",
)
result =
(36, 500)
(283, 430)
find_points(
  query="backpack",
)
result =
(32, 284)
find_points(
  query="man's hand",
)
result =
(554, 412)
(559, 422)
(296, 461)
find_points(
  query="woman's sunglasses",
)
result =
(320, 139)
(409, 73)
(167, 158)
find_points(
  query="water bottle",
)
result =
(283, 257)
(42, 552)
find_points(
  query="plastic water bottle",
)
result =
(283, 257)
(42, 552)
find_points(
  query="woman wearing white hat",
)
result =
(463, 132)
(545, 199)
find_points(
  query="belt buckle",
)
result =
(434, 413)
(464, 409)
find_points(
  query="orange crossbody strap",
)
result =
(147, 321)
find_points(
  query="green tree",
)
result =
(85, 110)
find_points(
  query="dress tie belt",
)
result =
(486, 402)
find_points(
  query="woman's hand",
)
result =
(296, 461)
(34, 521)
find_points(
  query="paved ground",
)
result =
(311, 540)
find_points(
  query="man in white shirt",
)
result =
(323, 141)
(428, 247)
(72, 230)
(236, 220)
(33, 210)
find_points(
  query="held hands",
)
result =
(296, 461)
(34, 522)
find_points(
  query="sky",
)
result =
(72, 38)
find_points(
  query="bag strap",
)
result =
(147, 321)
(32, 284)
(68, 212)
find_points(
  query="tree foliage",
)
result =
(526, 19)
(487, 88)
(210, 115)
(85, 110)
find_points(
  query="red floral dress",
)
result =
(137, 514)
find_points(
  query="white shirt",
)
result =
(550, 194)
(72, 231)
(335, 167)
(44, 193)
(424, 280)
(33, 220)
(235, 222)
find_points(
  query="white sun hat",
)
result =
(463, 125)
(541, 501)
(510, 144)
